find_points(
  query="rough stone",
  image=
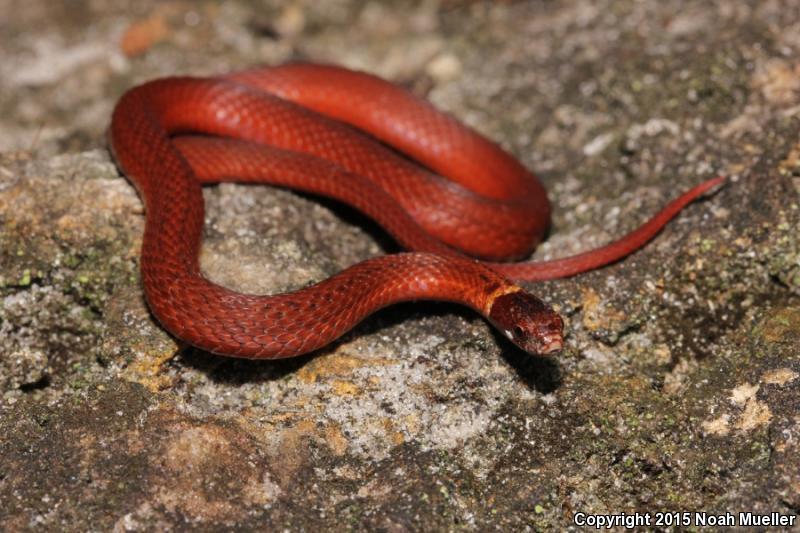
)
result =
(678, 386)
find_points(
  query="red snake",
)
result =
(435, 185)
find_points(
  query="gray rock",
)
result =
(678, 387)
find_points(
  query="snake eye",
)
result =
(518, 332)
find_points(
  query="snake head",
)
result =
(530, 323)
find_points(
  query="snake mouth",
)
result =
(549, 345)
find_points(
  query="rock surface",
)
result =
(679, 386)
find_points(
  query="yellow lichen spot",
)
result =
(336, 440)
(392, 432)
(734, 168)
(140, 36)
(720, 426)
(778, 81)
(783, 325)
(305, 427)
(792, 161)
(597, 315)
(146, 370)
(662, 353)
(743, 393)
(336, 364)
(345, 388)
(779, 376)
(755, 414)
(412, 423)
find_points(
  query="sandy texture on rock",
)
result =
(678, 389)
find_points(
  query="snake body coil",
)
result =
(450, 193)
